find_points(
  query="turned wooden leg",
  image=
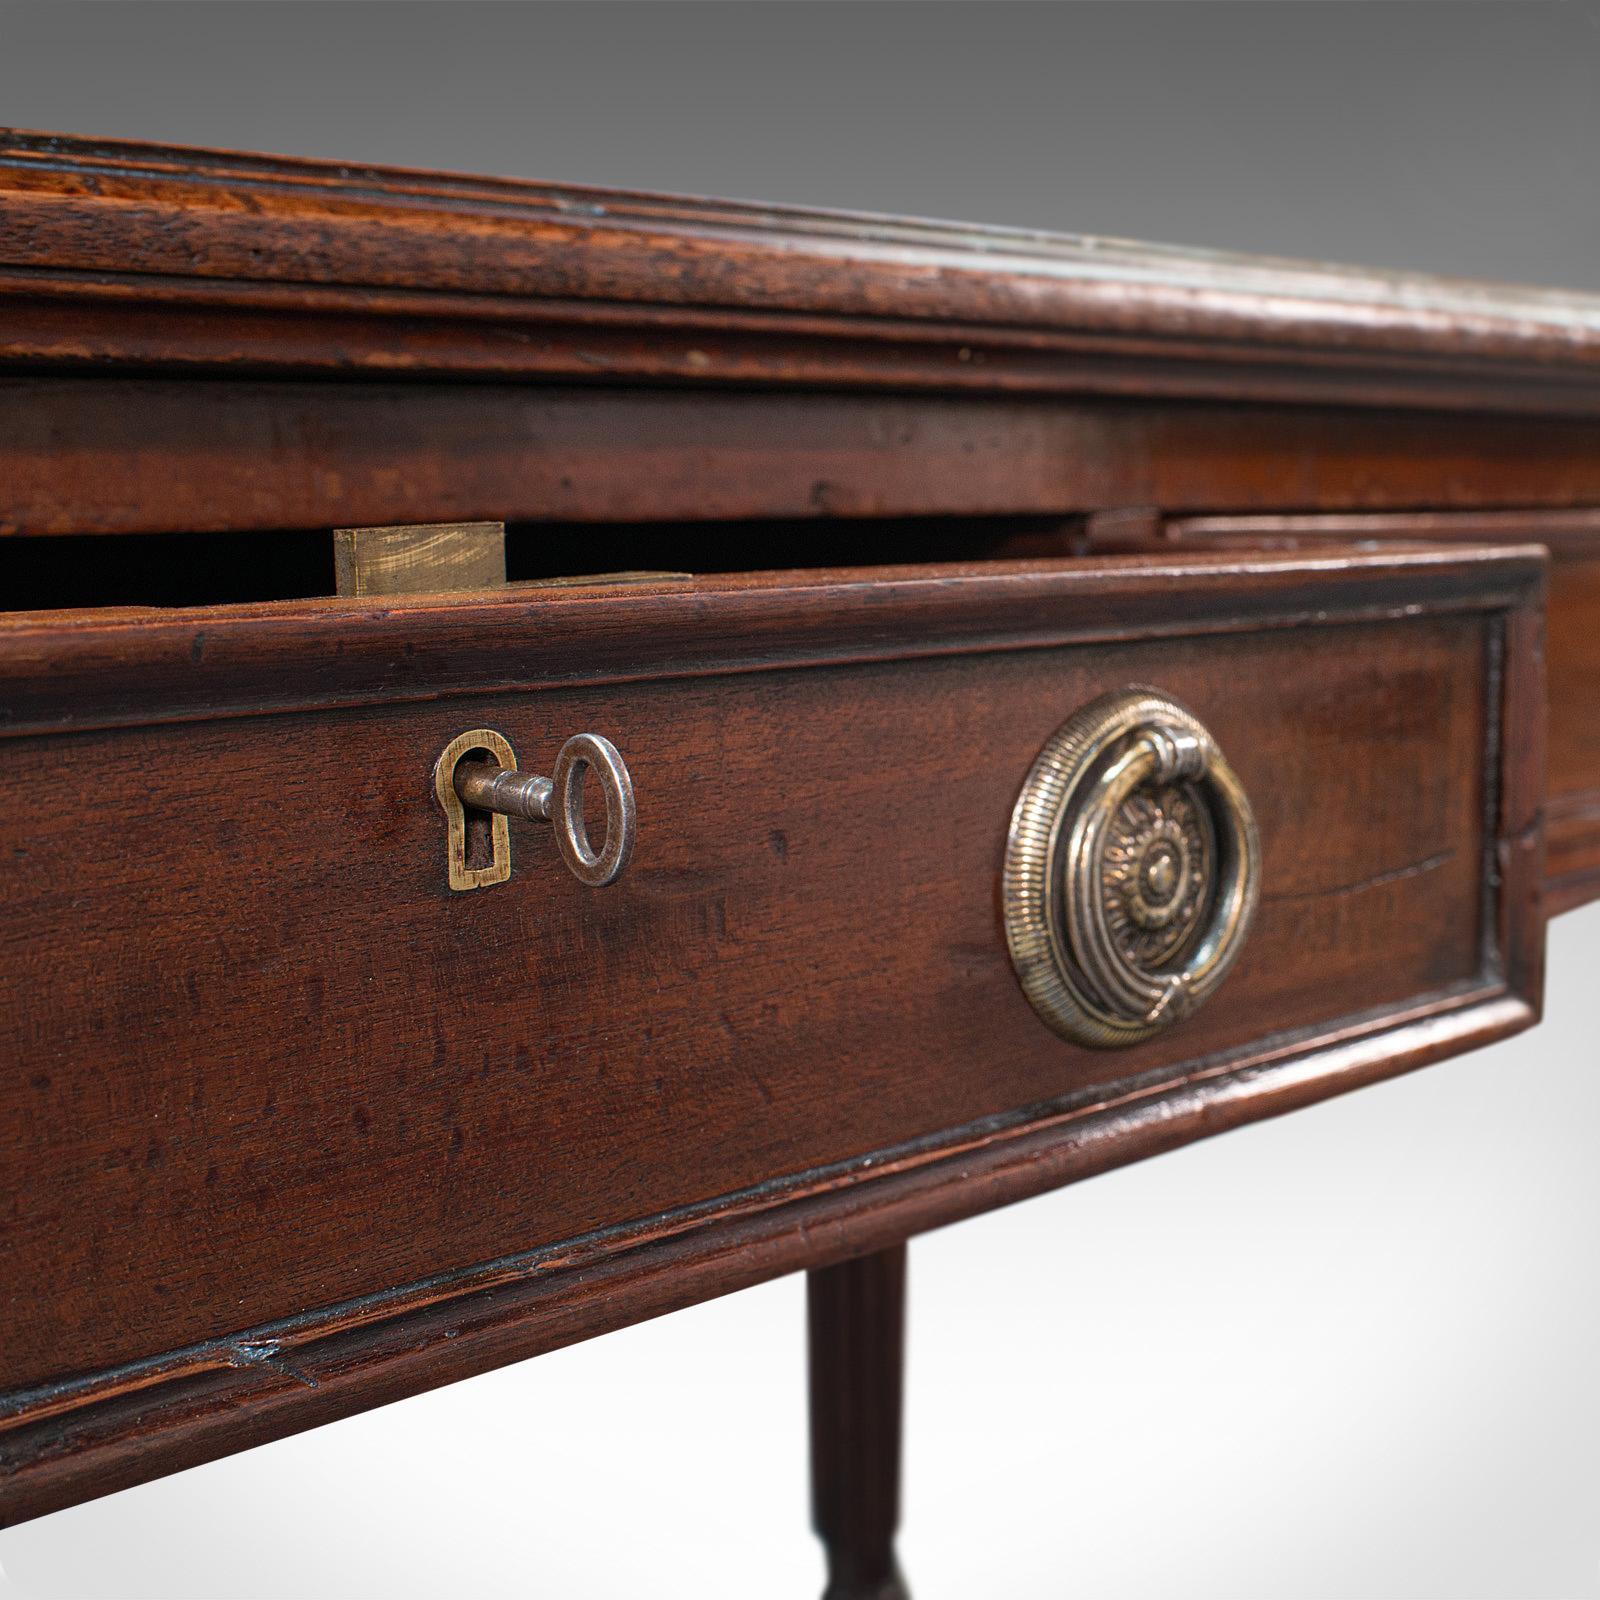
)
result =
(856, 1316)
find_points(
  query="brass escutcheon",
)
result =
(1131, 872)
(498, 868)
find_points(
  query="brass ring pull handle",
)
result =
(1132, 870)
(477, 771)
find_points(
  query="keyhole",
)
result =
(477, 841)
(479, 824)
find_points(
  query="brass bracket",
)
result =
(428, 558)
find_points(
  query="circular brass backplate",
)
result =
(1132, 870)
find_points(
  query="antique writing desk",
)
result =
(565, 753)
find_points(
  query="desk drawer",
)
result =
(271, 1083)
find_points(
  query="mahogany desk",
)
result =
(814, 726)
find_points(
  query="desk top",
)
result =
(126, 253)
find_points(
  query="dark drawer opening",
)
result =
(81, 571)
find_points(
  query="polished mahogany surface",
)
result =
(499, 349)
(828, 522)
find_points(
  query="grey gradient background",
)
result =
(1346, 1354)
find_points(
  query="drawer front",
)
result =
(266, 1065)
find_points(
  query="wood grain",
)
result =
(77, 669)
(125, 455)
(295, 1131)
(126, 1427)
(259, 986)
(1572, 648)
(121, 253)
